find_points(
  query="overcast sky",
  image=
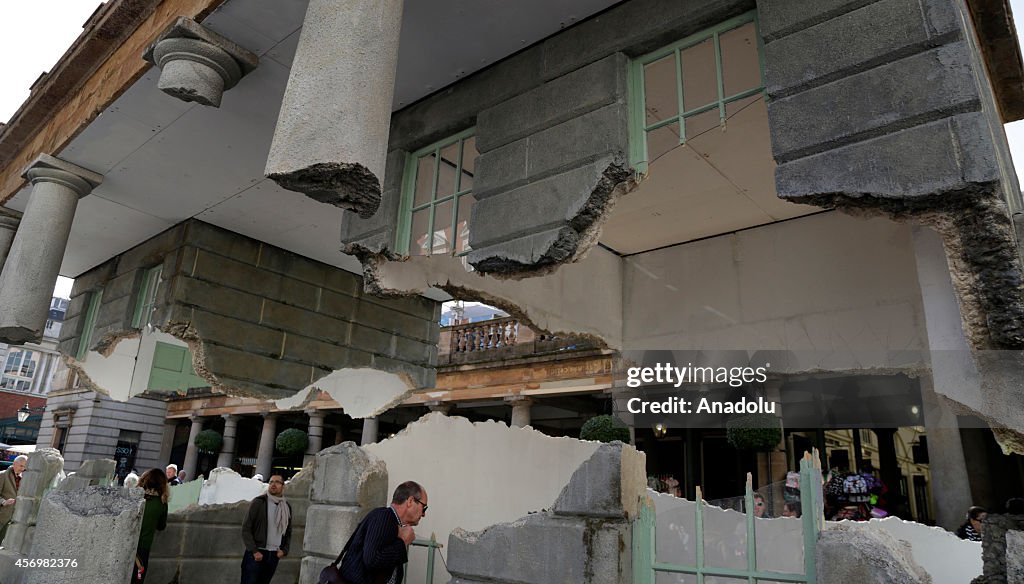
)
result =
(37, 32)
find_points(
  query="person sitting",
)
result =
(972, 528)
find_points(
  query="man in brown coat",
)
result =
(10, 480)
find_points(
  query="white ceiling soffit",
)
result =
(165, 161)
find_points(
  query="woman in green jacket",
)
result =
(154, 518)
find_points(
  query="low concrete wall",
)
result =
(202, 545)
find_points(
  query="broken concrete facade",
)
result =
(258, 320)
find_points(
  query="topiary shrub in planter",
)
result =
(209, 441)
(757, 432)
(292, 441)
(604, 429)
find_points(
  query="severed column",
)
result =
(332, 131)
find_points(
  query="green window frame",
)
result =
(461, 192)
(639, 128)
(146, 300)
(91, 312)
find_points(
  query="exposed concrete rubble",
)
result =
(882, 559)
(944, 556)
(332, 131)
(198, 64)
(1001, 549)
(97, 526)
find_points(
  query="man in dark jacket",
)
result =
(267, 533)
(379, 547)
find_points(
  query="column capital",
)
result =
(230, 417)
(519, 400)
(195, 417)
(198, 64)
(46, 168)
(311, 412)
(9, 219)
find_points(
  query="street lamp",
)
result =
(26, 411)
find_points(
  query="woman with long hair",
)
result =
(154, 518)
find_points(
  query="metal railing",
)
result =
(432, 547)
(646, 566)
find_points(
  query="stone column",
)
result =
(31, 269)
(520, 410)
(369, 431)
(888, 463)
(167, 441)
(316, 434)
(8, 227)
(950, 486)
(332, 130)
(265, 454)
(227, 450)
(43, 467)
(191, 451)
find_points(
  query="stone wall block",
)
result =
(98, 526)
(237, 333)
(329, 527)
(542, 248)
(151, 253)
(875, 100)
(275, 373)
(542, 549)
(601, 132)
(44, 467)
(542, 203)
(217, 299)
(576, 93)
(1000, 549)
(608, 484)
(919, 161)
(883, 559)
(348, 475)
(501, 169)
(92, 473)
(876, 30)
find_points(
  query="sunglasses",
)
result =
(421, 503)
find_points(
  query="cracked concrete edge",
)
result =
(372, 284)
(575, 239)
(341, 184)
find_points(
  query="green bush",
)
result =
(209, 441)
(757, 432)
(604, 429)
(292, 441)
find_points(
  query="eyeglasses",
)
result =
(421, 503)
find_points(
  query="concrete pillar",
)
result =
(316, 434)
(950, 485)
(265, 454)
(31, 269)
(191, 451)
(332, 130)
(227, 449)
(8, 227)
(520, 410)
(369, 431)
(167, 441)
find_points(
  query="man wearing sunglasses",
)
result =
(379, 547)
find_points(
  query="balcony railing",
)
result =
(499, 339)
